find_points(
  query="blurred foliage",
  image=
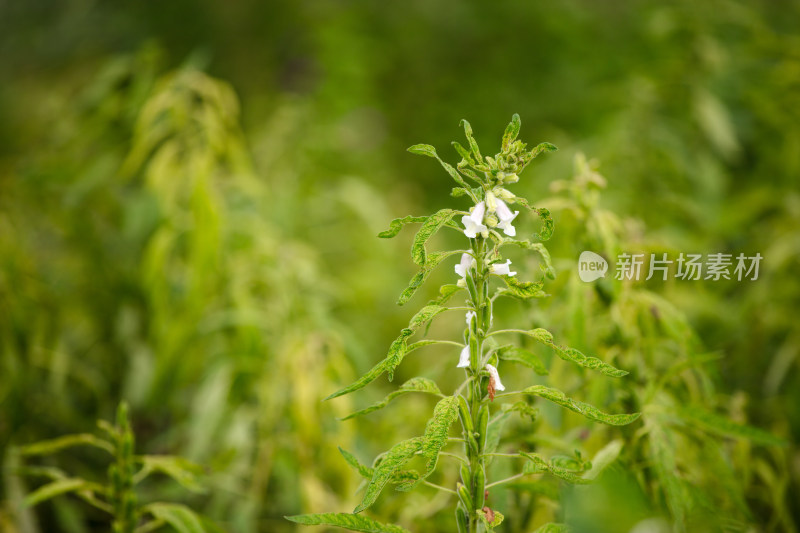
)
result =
(218, 268)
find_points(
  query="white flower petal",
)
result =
(466, 263)
(502, 269)
(473, 223)
(463, 359)
(498, 385)
(470, 314)
(506, 216)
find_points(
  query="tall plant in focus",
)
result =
(484, 276)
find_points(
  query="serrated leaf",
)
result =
(585, 409)
(353, 522)
(364, 470)
(522, 289)
(48, 447)
(473, 145)
(394, 460)
(417, 384)
(181, 470)
(512, 130)
(522, 356)
(423, 149)
(720, 425)
(434, 258)
(445, 293)
(431, 225)
(574, 356)
(180, 517)
(56, 488)
(436, 431)
(552, 527)
(538, 465)
(397, 224)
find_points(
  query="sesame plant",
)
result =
(485, 276)
(117, 496)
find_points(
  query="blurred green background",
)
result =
(189, 198)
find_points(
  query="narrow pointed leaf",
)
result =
(56, 488)
(364, 470)
(397, 351)
(431, 225)
(589, 411)
(433, 260)
(574, 356)
(605, 457)
(522, 289)
(720, 425)
(352, 522)
(373, 374)
(397, 224)
(463, 152)
(394, 460)
(512, 130)
(425, 315)
(541, 148)
(435, 437)
(181, 470)
(524, 357)
(412, 385)
(538, 465)
(473, 145)
(423, 149)
(48, 447)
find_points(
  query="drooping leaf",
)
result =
(353, 522)
(720, 425)
(435, 437)
(364, 470)
(57, 488)
(512, 130)
(538, 465)
(589, 411)
(434, 258)
(522, 289)
(397, 224)
(394, 460)
(180, 517)
(181, 470)
(522, 356)
(574, 356)
(431, 225)
(417, 384)
(48, 447)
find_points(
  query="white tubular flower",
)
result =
(506, 216)
(473, 223)
(498, 385)
(466, 263)
(470, 314)
(502, 269)
(463, 359)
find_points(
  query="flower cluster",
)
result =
(499, 216)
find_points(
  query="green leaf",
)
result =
(496, 521)
(522, 356)
(57, 488)
(352, 522)
(425, 315)
(463, 152)
(374, 373)
(522, 289)
(552, 527)
(364, 470)
(435, 437)
(589, 411)
(48, 447)
(473, 145)
(538, 247)
(538, 465)
(522, 408)
(180, 517)
(602, 459)
(574, 356)
(445, 293)
(397, 351)
(547, 221)
(394, 460)
(181, 470)
(720, 425)
(512, 130)
(397, 224)
(417, 384)
(434, 258)
(423, 149)
(496, 425)
(541, 148)
(431, 225)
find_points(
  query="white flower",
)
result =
(502, 269)
(498, 385)
(473, 223)
(506, 216)
(463, 359)
(466, 263)
(470, 314)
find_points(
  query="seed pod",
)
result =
(466, 476)
(480, 488)
(473, 352)
(486, 291)
(473, 444)
(485, 315)
(473, 292)
(461, 519)
(463, 413)
(483, 426)
(463, 495)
